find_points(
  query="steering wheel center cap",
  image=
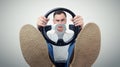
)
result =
(60, 30)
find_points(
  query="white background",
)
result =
(16, 13)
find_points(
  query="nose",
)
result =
(60, 22)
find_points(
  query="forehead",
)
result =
(59, 16)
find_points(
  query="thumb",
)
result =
(47, 19)
(72, 19)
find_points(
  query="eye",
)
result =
(57, 20)
(63, 20)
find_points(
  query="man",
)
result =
(60, 56)
(37, 54)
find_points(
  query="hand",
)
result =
(78, 21)
(42, 21)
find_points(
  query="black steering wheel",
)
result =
(60, 42)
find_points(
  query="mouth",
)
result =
(60, 26)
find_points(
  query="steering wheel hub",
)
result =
(60, 30)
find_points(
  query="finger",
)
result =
(42, 19)
(79, 24)
(41, 24)
(72, 20)
(46, 20)
(77, 20)
(75, 24)
(76, 17)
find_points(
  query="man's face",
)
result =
(59, 19)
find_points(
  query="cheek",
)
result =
(64, 22)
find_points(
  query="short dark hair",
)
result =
(59, 12)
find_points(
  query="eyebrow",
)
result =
(60, 20)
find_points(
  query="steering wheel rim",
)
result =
(60, 42)
(57, 9)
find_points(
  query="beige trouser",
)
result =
(35, 52)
